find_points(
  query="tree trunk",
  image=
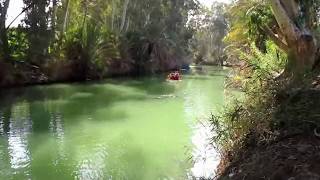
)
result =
(84, 20)
(113, 14)
(297, 41)
(65, 19)
(302, 56)
(54, 16)
(124, 15)
(4, 45)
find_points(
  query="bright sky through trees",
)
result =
(209, 2)
(15, 9)
(16, 6)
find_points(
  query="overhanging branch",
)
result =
(285, 22)
(24, 10)
(276, 39)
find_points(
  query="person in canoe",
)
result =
(174, 76)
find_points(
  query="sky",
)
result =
(209, 2)
(16, 6)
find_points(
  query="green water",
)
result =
(120, 129)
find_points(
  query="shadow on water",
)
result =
(79, 99)
(49, 129)
(41, 109)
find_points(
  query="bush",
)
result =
(18, 43)
(249, 122)
(89, 50)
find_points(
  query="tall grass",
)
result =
(248, 122)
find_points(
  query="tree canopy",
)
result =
(292, 25)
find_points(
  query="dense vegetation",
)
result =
(269, 131)
(68, 40)
(212, 26)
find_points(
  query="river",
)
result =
(120, 129)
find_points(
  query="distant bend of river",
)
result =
(119, 129)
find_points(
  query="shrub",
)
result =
(249, 122)
(18, 43)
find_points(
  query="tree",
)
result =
(4, 46)
(291, 24)
(37, 22)
(212, 27)
(296, 33)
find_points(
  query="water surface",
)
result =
(121, 129)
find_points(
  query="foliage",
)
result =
(95, 37)
(275, 42)
(249, 120)
(248, 19)
(18, 43)
(212, 26)
(37, 26)
(138, 40)
(264, 66)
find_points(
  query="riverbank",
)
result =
(283, 138)
(27, 75)
(24, 74)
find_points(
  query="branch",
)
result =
(284, 21)
(66, 14)
(24, 10)
(291, 7)
(276, 39)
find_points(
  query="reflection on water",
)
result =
(57, 131)
(140, 129)
(206, 158)
(202, 99)
(93, 167)
(1, 124)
